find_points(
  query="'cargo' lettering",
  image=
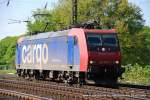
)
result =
(36, 53)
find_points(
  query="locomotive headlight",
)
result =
(117, 62)
(91, 62)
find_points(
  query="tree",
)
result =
(41, 18)
(7, 51)
(118, 14)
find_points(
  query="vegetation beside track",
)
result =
(137, 74)
(9, 71)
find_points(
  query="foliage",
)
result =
(140, 50)
(7, 51)
(40, 21)
(137, 74)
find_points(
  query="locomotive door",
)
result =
(71, 51)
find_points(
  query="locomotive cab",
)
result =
(104, 56)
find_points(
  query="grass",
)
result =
(137, 74)
(8, 71)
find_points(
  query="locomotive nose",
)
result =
(101, 58)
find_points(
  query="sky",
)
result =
(19, 10)
(22, 10)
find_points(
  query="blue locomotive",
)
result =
(76, 55)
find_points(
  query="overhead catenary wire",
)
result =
(17, 21)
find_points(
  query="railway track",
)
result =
(121, 91)
(13, 95)
(63, 92)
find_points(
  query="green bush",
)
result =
(137, 74)
(7, 52)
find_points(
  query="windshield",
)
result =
(102, 39)
(96, 42)
(109, 40)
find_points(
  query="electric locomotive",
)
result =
(75, 55)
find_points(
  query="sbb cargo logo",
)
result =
(35, 54)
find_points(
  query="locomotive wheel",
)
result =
(37, 75)
(19, 72)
